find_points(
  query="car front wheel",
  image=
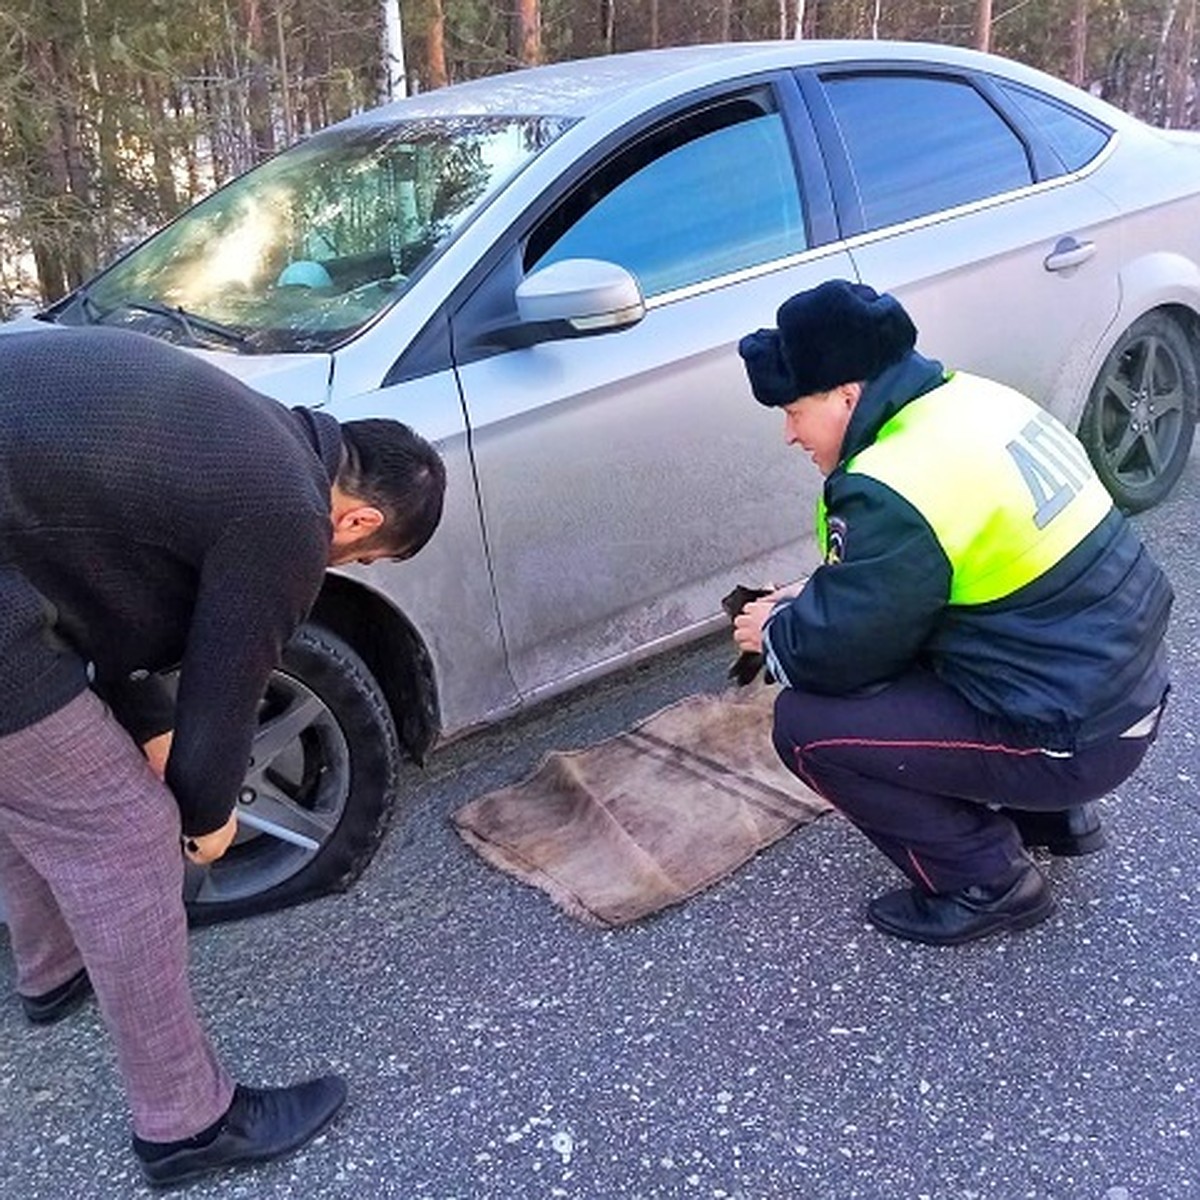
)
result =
(1141, 415)
(320, 787)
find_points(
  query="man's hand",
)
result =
(157, 750)
(209, 847)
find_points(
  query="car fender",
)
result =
(393, 650)
(1159, 280)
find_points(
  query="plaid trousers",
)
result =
(91, 874)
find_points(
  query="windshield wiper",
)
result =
(188, 322)
(92, 312)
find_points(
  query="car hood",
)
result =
(291, 378)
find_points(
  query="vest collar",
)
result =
(886, 394)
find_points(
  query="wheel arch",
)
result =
(1185, 312)
(1164, 282)
(394, 652)
(1189, 320)
(1121, 423)
(1070, 398)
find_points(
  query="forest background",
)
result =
(117, 114)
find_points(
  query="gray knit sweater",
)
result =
(154, 512)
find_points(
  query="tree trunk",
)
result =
(528, 33)
(1178, 68)
(725, 21)
(233, 121)
(794, 28)
(1079, 24)
(807, 18)
(285, 91)
(179, 105)
(258, 92)
(1186, 114)
(44, 174)
(983, 24)
(1161, 102)
(436, 74)
(82, 253)
(164, 178)
(393, 76)
(211, 90)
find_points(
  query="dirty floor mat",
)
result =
(648, 818)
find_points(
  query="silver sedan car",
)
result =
(547, 273)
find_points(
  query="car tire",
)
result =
(1141, 415)
(320, 790)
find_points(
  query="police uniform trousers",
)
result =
(922, 773)
(91, 875)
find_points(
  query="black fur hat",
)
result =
(839, 332)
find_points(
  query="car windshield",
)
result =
(301, 252)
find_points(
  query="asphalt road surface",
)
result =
(760, 1041)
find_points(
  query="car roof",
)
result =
(581, 87)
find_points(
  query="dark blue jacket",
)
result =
(1075, 656)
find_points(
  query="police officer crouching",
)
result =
(981, 654)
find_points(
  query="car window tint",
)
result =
(706, 196)
(918, 144)
(1074, 138)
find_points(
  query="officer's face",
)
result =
(818, 422)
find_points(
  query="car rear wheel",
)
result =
(1141, 415)
(320, 788)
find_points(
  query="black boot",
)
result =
(260, 1124)
(59, 1002)
(1069, 832)
(950, 918)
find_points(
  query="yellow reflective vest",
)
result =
(1008, 512)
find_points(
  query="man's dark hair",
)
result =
(397, 471)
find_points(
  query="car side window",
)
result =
(1074, 138)
(921, 143)
(710, 193)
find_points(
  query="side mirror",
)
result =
(588, 295)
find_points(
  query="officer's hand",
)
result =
(209, 847)
(157, 750)
(789, 592)
(748, 625)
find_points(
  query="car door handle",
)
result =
(1069, 252)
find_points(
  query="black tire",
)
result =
(1141, 415)
(325, 769)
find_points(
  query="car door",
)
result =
(1007, 260)
(627, 481)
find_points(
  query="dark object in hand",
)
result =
(748, 664)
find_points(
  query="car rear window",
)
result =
(920, 143)
(1074, 138)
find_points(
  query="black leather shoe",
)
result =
(956, 917)
(59, 1002)
(261, 1124)
(1068, 833)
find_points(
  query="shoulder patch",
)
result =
(835, 540)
